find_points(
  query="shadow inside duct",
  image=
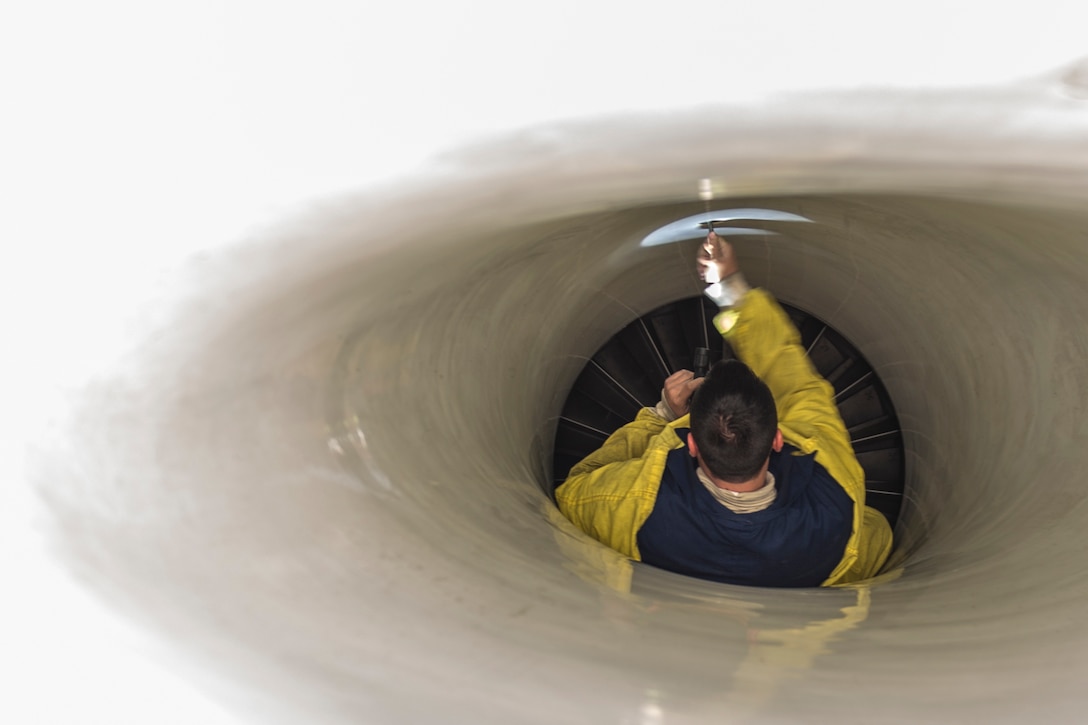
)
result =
(626, 374)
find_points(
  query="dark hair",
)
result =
(733, 421)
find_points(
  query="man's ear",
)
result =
(776, 445)
(692, 448)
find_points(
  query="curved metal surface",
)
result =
(315, 479)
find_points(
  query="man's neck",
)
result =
(753, 484)
(742, 502)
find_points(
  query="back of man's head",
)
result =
(733, 421)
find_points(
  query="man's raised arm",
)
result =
(766, 340)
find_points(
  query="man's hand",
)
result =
(716, 260)
(678, 390)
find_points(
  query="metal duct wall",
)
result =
(317, 479)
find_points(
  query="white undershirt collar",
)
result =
(746, 502)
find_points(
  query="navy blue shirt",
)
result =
(796, 542)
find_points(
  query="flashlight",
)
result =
(702, 361)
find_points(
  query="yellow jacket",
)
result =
(611, 493)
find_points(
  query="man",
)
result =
(758, 484)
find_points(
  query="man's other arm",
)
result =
(611, 492)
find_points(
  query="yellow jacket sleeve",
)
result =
(611, 492)
(765, 339)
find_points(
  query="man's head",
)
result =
(733, 422)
